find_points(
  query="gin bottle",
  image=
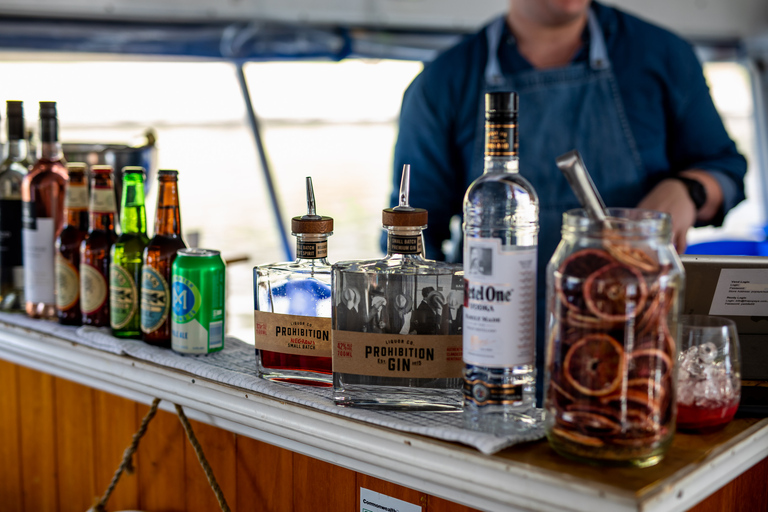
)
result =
(292, 319)
(397, 322)
(501, 212)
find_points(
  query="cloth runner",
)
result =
(235, 365)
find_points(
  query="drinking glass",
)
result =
(709, 377)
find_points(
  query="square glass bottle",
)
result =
(397, 322)
(292, 318)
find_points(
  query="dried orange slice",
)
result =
(650, 363)
(632, 256)
(577, 438)
(586, 321)
(590, 422)
(615, 292)
(594, 365)
(572, 273)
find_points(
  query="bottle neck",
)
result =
(50, 147)
(101, 207)
(76, 201)
(49, 151)
(312, 248)
(17, 150)
(501, 144)
(133, 214)
(168, 215)
(405, 241)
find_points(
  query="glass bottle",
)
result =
(501, 214)
(12, 172)
(293, 306)
(613, 300)
(158, 258)
(126, 257)
(94, 250)
(68, 246)
(42, 193)
(397, 322)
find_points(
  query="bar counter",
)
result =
(68, 411)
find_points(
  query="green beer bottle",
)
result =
(125, 257)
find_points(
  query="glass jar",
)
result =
(613, 292)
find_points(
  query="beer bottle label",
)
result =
(102, 201)
(67, 283)
(123, 297)
(154, 299)
(76, 197)
(93, 289)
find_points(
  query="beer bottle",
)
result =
(94, 251)
(68, 246)
(125, 257)
(158, 258)
(42, 194)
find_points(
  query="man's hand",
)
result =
(671, 196)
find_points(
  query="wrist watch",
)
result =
(695, 189)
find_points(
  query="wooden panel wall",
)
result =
(60, 444)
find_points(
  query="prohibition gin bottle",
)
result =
(94, 250)
(501, 216)
(125, 257)
(397, 322)
(12, 172)
(42, 193)
(293, 306)
(158, 259)
(68, 246)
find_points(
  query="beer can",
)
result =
(197, 301)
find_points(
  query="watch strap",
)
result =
(696, 190)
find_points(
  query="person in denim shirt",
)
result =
(629, 95)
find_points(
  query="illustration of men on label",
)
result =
(455, 311)
(377, 318)
(480, 261)
(348, 313)
(400, 312)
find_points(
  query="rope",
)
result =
(201, 457)
(127, 462)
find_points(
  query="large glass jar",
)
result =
(613, 292)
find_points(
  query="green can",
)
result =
(197, 299)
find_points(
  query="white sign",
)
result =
(374, 502)
(741, 292)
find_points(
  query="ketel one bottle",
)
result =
(94, 251)
(42, 193)
(158, 260)
(501, 226)
(68, 246)
(293, 306)
(126, 257)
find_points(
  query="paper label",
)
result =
(76, 197)
(395, 355)
(102, 201)
(499, 304)
(376, 502)
(123, 297)
(39, 276)
(312, 250)
(741, 292)
(293, 334)
(67, 283)
(93, 289)
(155, 302)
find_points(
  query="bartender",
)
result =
(630, 96)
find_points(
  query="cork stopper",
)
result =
(403, 215)
(311, 223)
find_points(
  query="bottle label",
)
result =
(483, 393)
(38, 244)
(499, 304)
(123, 297)
(500, 139)
(404, 244)
(102, 201)
(67, 283)
(76, 197)
(93, 289)
(154, 299)
(312, 250)
(392, 355)
(293, 334)
(10, 238)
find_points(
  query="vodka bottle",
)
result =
(293, 306)
(501, 214)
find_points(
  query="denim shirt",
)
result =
(666, 100)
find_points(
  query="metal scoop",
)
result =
(572, 166)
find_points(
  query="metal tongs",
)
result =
(572, 166)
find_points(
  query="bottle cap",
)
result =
(167, 172)
(14, 108)
(101, 169)
(501, 103)
(76, 167)
(48, 109)
(404, 214)
(311, 222)
(133, 169)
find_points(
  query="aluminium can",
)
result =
(197, 301)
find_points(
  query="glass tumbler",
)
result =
(709, 377)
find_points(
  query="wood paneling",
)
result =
(161, 463)
(435, 504)
(10, 456)
(747, 493)
(264, 477)
(318, 485)
(219, 450)
(390, 489)
(38, 441)
(74, 445)
(115, 422)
